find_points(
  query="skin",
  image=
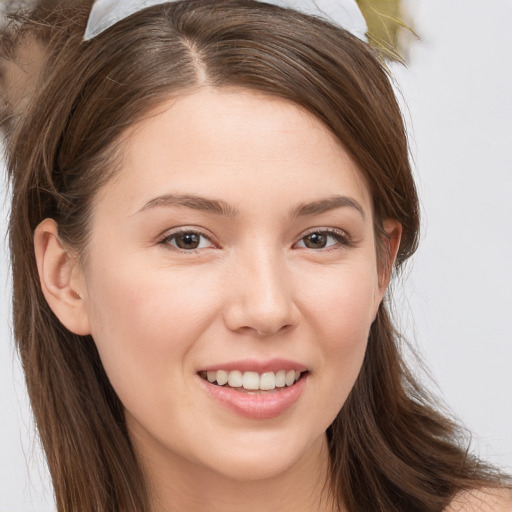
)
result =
(252, 289)
(482, 500)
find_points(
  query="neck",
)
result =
(176, 484)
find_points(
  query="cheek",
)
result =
(342, 302)
(341, 312)
(148, 325)
(144, 323)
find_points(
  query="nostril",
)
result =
(271, 331)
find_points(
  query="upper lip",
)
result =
(253, 365)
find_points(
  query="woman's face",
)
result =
(236, 239)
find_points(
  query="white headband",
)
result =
(344, 13)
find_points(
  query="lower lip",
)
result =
(264, 405)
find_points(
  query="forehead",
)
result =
(235, 144)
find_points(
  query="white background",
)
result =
(457, 300)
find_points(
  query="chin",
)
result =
(250, 470)
(258, 461)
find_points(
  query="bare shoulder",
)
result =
(483, 500)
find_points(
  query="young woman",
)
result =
(209, 201)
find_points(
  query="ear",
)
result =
(389, 244)
(61, 277)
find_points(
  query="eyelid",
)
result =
(344, 239)
(342, 236)
(170, 233)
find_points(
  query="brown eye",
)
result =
(315, 240)
(324, 239)
(187, 241)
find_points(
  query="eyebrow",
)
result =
(224, 209)
(325, 205)
(215, 206)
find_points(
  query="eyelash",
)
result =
(343, 239)
(167, 239)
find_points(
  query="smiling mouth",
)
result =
(252, 382)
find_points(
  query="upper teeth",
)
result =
(253, 380)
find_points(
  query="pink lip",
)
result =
(253, 365)
(259, 405)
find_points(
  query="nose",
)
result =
(259, 296)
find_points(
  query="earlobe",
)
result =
(61, 278)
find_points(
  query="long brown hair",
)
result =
(390, 448)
